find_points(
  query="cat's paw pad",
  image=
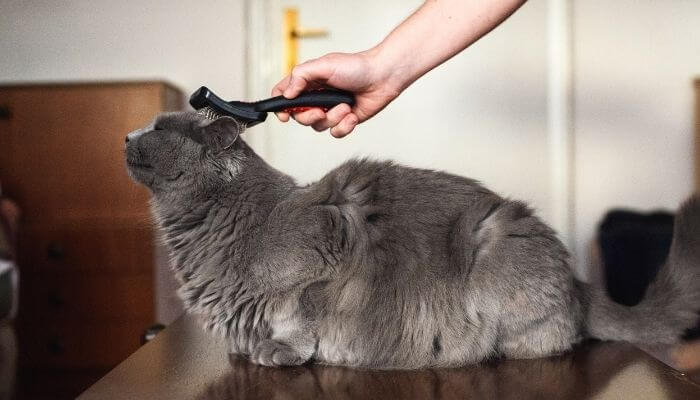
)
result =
(275, 354)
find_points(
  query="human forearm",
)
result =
(434, 33)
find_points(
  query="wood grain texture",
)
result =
(65, 345)
(63, 149)
(85, 241)
(88, 246)
(89, 298)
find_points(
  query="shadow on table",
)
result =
(594, 370)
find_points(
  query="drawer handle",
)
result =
(55, 300)
(5, 113)
(55, 346)
(150, 333)
(56, 251)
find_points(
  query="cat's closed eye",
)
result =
(372, 218)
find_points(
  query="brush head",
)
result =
(212, 106)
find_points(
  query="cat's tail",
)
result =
(671, 302)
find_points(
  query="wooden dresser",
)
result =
(86, 243)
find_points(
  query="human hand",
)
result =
(360, 73)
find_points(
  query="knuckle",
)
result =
(297, 71)
(338, 118)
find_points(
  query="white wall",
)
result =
(189, 43)
(633, 102)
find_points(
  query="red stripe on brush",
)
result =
(294, 110)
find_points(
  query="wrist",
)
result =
(388, 69)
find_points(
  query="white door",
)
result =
(482, 115)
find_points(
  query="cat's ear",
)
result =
(220, 134)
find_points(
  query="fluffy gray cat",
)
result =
(379, 265)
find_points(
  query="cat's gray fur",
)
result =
(379, 265)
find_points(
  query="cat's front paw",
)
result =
(272, 353)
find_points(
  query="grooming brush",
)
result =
(212, 106)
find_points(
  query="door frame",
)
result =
(561, 121)
(262, 45)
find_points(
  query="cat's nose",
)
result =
(133, 136)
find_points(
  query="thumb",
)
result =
(317, 71)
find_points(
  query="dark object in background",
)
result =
(633, 247)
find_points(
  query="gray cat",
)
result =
(379, 265)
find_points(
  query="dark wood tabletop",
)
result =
(185, 362)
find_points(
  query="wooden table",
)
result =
(184, 362)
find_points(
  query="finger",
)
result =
(280, 86)
(310, 117)
(333, 117)
(345, 126)
(311, 71)
(296, 86)
(277, 91)
(282, 116)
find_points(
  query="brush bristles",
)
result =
(209, 113)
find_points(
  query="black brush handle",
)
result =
(254, 113)
(323, 98)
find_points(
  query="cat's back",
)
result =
(399, 189)
(439, 221)
(408, 215)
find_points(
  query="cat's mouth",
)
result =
(134, 164)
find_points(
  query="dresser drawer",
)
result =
(62, 148)
(86, 247)
(78, 297)
(88, 345)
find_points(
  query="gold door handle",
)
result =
(292, 33)
(301, 33)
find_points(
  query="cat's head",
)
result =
(183, 151)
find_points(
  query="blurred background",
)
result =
(581, 108)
